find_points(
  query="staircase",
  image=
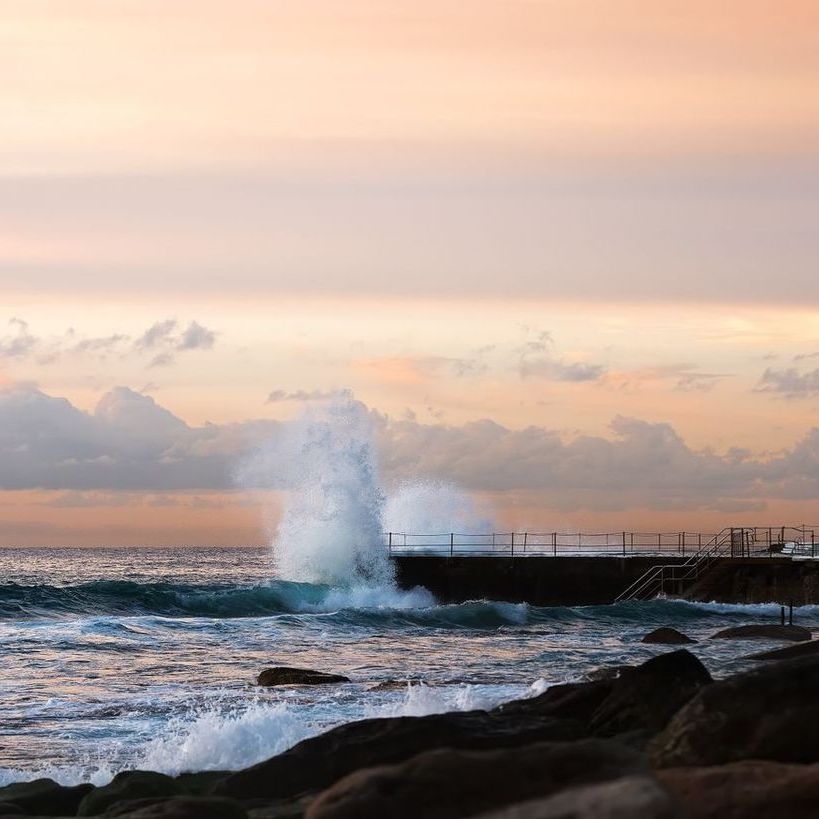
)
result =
(676, 579)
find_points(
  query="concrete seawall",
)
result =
(575, 581)
(541, 581)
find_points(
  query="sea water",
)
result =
(146, 657)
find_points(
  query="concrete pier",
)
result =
(556, 581)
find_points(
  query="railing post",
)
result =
(554, 543)
(659, 541)
(513, 544)
(389, 544)
(624, 544)
(451, 544)
(683, 544)
(525, 538)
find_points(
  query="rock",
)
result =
(199, 783)
(763, 632)
(10, 809)
(447, 783)
(317, 762)
(395, 685)
(626, 798)
(605, 672)
(127, 786)
(645, 697)
(746, 790)
(575, 701)
(667, 635)
(181, 807)
(805, 649)
(770, 712)
(45, 796)
(282, 675)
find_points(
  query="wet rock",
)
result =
(770, 712)
(746, 790)
(185, 807)
(772, 631)
(626, 798)
(199, 783)
(575, 701)
(282, 675)
(45, 797)
(447, 783)
(605, 672)
(645, 697)
(805, 649)
(318, 762)
(127, 786)
(9, 809)
(395, 685)
(668, 636)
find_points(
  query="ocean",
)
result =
(146, 657)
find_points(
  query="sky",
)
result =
(563, 251)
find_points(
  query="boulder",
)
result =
(127, 786)
(667, 636)
(395, 685)
(10, 809)
(318, 762)
(645, 697)
(180, 807)
(282, 675)
(575, 701)
(448, 783)
(45, 796)
(805, 649)
(626, 798)
(746, 790)
(770, 712)
(772, 631)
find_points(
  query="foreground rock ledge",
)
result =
(283, 675)
(764, 632)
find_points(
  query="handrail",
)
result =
(693, 567)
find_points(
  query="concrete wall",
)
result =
(574, 581)
(760, 580)
(542, 581)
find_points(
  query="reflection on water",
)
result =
(114, 658)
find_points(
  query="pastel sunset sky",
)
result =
(564, 251)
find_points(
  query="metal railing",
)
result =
(760, 541)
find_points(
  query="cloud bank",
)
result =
(131, 443)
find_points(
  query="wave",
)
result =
(364, 606)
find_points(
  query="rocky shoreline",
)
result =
(660, 740)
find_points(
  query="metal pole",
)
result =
(525, 538)
(513, 544)
(389, 547)
(554, 543)
(451, 544)
(683, 544)
(624, 544)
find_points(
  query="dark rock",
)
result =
(45, 796)
(645, 697)
(447, 783)
(9, 809)
(180, 807)
(770, 712)
(282, 675)
(626, 798)
(605, 672)
(199, 783)
(395, 685)
(668, 636)
(316, 763)
(772, 631)
(576, 701)
(805, 649)
(278, 808)
(746, 790)
(128, 785)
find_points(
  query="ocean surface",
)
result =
(121, 658)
